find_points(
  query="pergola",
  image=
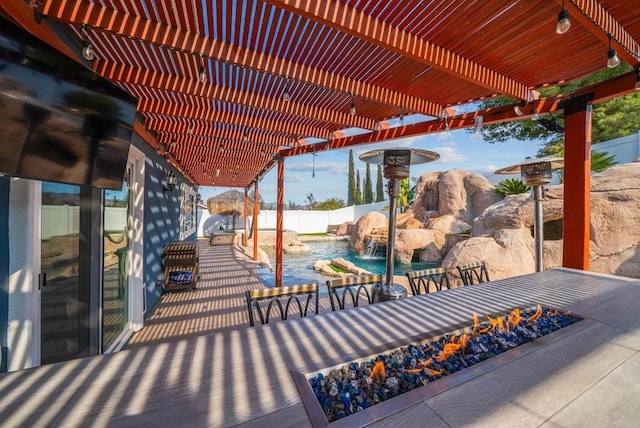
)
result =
(228, 89)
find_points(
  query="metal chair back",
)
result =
(422, 281)
(473, 273)
(354, 287)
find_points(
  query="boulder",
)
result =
(345, 228)
(510, 252)
(430, 242)
(348, 266)
(426, 196)
(614, 226)
(296, 247)
(363, 227)
(516, 211)
(448, 224)
(453, 198)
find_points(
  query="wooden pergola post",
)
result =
(246, 216)
(256, 209)
(577, 183)
(279, 221)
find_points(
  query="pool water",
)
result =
(298, 268)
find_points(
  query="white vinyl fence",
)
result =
(300, 221)
(62, 220)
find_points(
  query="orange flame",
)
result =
(537, 315)
(496, 323)
(413, 371)
(448, 350)
(513, 319)
(378, 372)
(463, 339)
(426, 363)
(476, 323)
(433, 372)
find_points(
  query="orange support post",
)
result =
(246, 216)
(577, 183)
(256, 209)
(279, 221)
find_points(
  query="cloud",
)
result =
(485, 168)
(294, 178)
(336, 168)
(449, 155)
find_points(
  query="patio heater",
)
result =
(536, 173)
(396, 167)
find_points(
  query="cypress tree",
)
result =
(357, 197)
(379, 186)
(352, 184)
(368, 187)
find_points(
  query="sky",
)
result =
(458, 149)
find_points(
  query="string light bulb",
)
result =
(286, 96)
(203, 72)
(563, 23)
(612, 56)
(637, 70)
(402, 116)
(87, 47)
(352, 109)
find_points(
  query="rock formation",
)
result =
(503, 237)
(447, 204)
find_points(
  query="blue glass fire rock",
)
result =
(352, 388)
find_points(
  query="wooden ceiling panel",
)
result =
(387, 57)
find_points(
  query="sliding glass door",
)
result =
(64, 311)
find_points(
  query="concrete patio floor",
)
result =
(587, 374)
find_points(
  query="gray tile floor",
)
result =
(585, 375)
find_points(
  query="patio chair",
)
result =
(354, 286)
(473, 273)
(421, 280)
(263, 301)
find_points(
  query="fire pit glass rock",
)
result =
(358, 385)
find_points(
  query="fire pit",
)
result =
(355, 386)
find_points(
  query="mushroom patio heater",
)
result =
(536, 173)
(396, 167)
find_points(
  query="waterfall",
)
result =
(372, 247)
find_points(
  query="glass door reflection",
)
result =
(63, 312)
(116, 262)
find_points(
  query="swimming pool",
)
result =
(298, 268)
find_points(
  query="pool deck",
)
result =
(587, 374)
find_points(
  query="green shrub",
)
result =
(511, 186)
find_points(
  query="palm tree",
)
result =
(601, 161)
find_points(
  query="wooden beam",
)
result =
(336, 14)
(193, 86)
(223, 132)
(577, 184)
(595, 18)
(204, 111)
(182, 40)
(279, 221)
(256, 210)
(246, 217)
(467, 120)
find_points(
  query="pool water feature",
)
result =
(298, 268)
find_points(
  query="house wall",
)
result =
(4, 270)
(161, 219)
